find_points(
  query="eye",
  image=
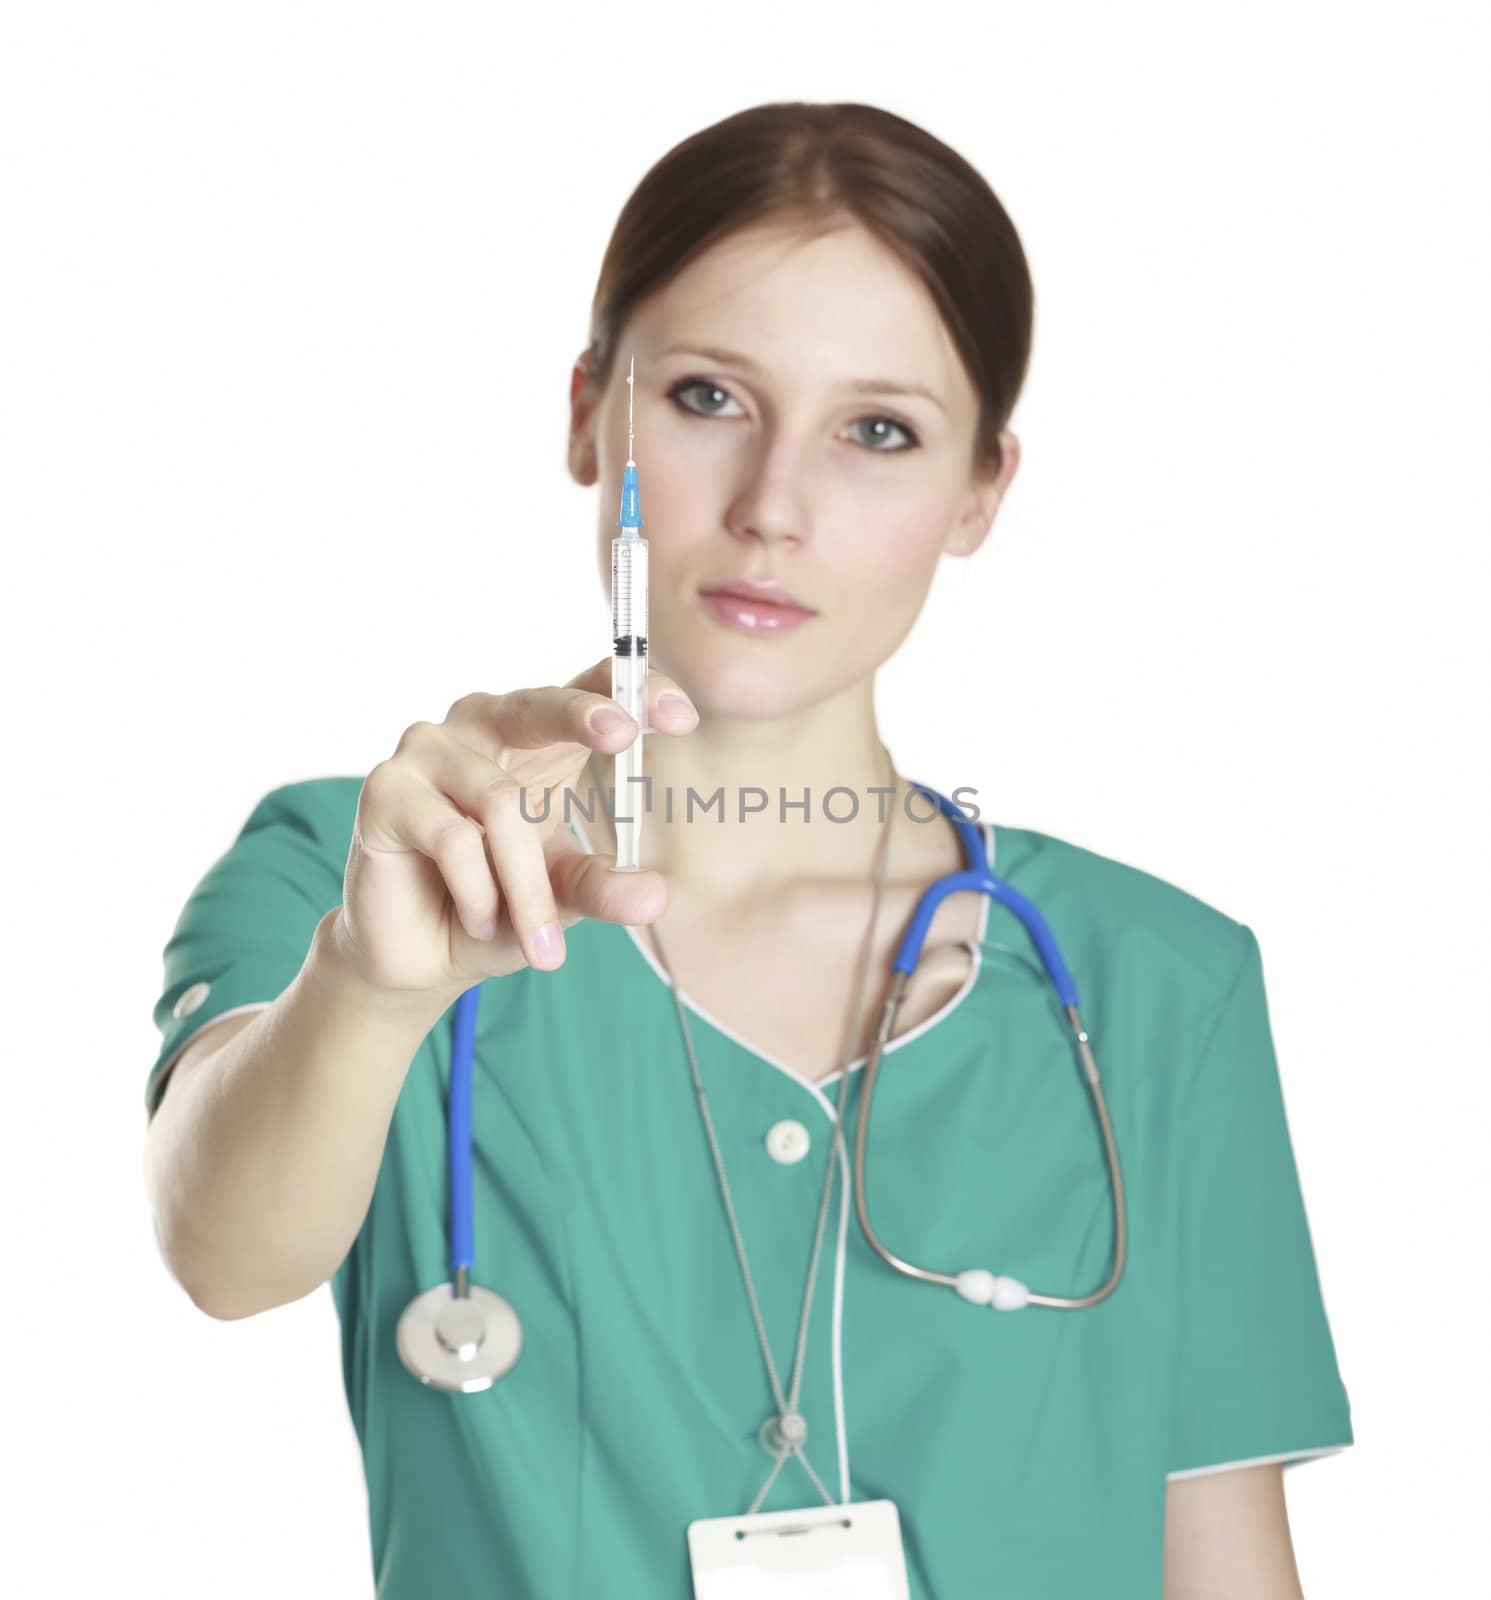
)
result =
(889, 422)
(685, 384)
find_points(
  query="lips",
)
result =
(764, 610)
(772, 594)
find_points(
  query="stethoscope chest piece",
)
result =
(460, 1343)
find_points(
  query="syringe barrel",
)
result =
(629, 590)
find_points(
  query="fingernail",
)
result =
(607, 721)
(548, 944)
(675, 702)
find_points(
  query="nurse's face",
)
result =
(802, 416)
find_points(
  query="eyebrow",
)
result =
(733, 358)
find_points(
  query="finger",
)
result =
(404, 813)
(669, 709)
(528, 719)
(515, 842)
(597, 680)
(514, 821)
(666, 701)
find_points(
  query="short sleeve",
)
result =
(1256, 1377)
(247, 926)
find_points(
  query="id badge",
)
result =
(837, 1552)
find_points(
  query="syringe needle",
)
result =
(631, 395)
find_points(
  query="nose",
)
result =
(769, 506)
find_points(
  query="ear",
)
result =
(972, 528)
(581, 452)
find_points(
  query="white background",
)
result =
(291, 294)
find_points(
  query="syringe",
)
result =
(629, 651)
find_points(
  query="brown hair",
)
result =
(795, 161)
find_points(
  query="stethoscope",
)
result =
(462, 1338)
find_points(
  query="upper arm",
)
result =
(1227, 1537)
(248, 924)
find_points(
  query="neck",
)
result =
(721, 854)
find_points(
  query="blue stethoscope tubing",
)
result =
(462, 1228)
(978, 1284)
(974, 1284)
(977, 877)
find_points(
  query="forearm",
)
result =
(263, 1164)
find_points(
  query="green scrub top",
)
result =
(1026, 1450)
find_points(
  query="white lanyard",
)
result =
(788, 1429)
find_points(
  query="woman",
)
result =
(830, 316)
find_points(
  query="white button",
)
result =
(190, 1000)
(788, 1142)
